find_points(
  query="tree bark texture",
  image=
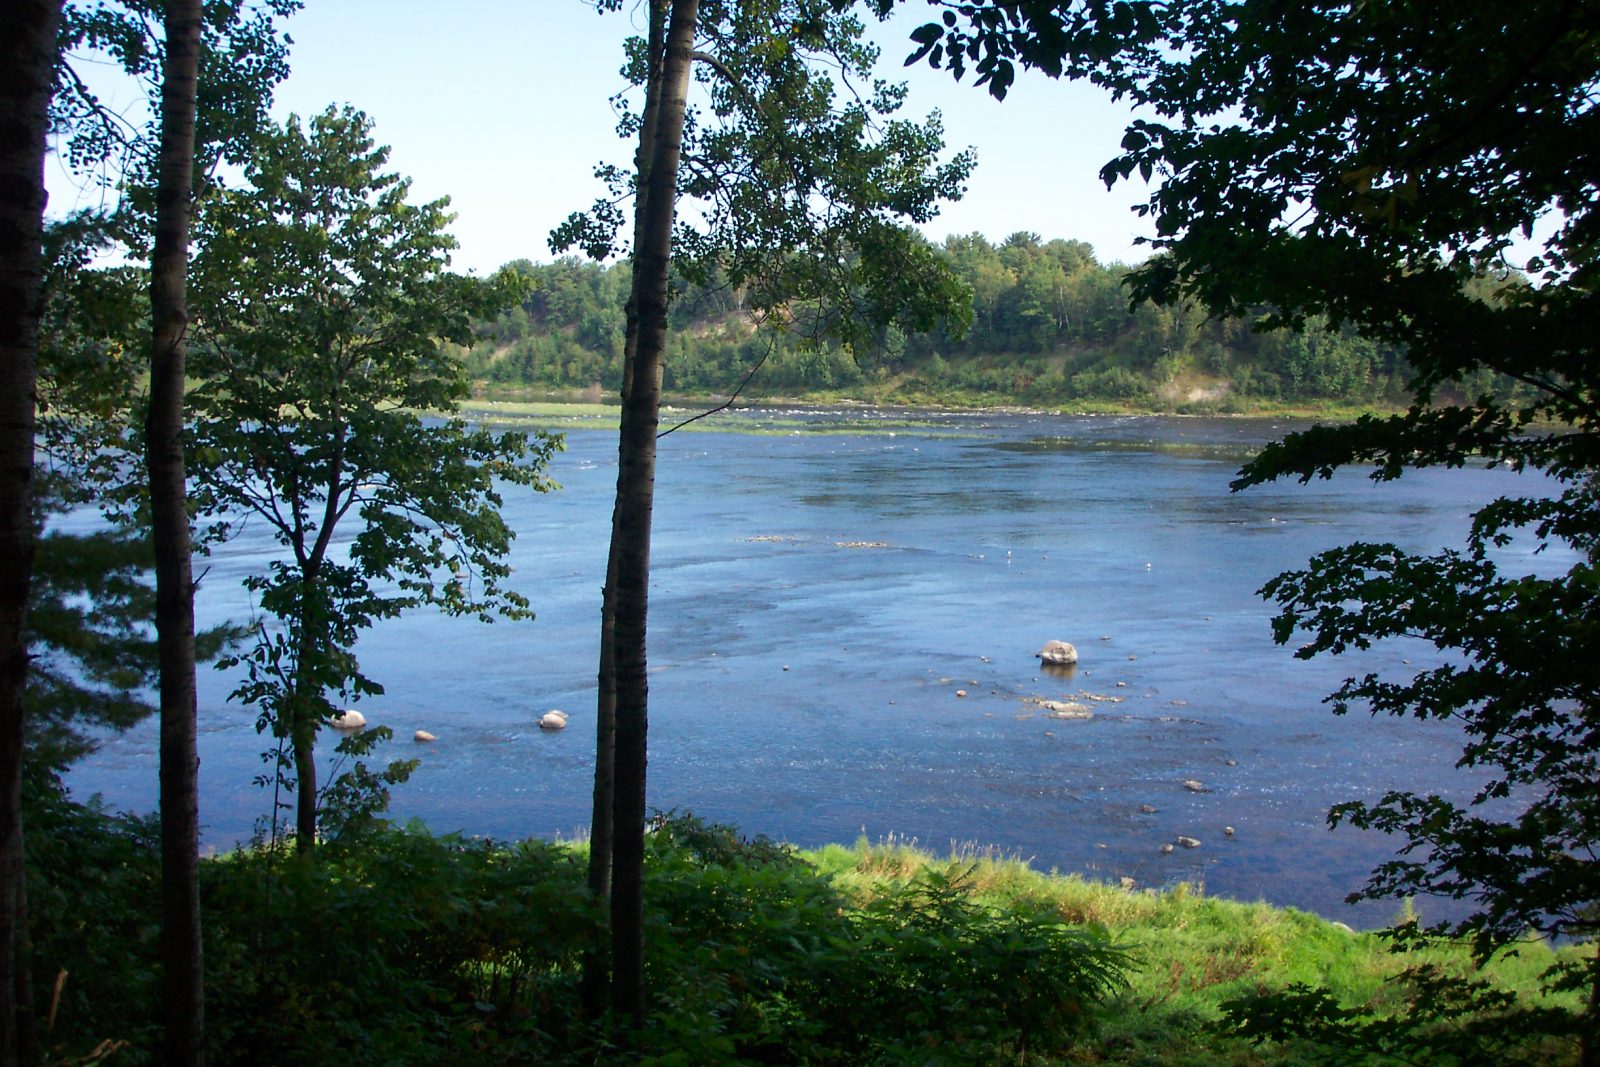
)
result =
(302, 710)
(303, 739)
(630, 530)
(27, 65)
(601, 835)
(183, 974)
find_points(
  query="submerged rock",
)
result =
(1057, 709)
(1058, 653)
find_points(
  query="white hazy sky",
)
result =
(503, 105)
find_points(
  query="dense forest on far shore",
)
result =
(1051, 325)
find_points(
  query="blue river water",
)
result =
(825, 587)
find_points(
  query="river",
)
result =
(825, 587)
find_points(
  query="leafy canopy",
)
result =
(324, 397)
(243, 55)
(797, 178)
(1376, 164)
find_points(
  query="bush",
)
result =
(399, 947)
(757, 956)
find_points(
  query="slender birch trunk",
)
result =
(183, 974)
(601, 835)
(630, 529)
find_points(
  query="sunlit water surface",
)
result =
(826, 583)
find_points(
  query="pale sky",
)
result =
(502, 105)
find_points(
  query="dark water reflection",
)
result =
(824, 586)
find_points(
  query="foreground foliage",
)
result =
(1370, 165)
(402, 948)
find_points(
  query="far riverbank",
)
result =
(504, 402)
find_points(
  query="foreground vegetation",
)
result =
(1316, 180)
(396, 947)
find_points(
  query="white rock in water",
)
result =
(348, 719)
(423, 735)
(1059, 709)
(1194, 787)
(1058, 652)
(553, 720)
(1189, 842)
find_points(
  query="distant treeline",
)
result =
(1050, 325)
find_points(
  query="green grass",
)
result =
(398, 947)
(1191, 952)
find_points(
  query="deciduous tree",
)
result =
(27, 55)
(183, 977)
(801, 188)
(1386, 166)
(42, 92)
(322, 299)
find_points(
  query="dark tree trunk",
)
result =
(306, 701)
(303, 719)
(27, 1016)
(630, 531)
(601, 837)
(183, 976)
(592, 992)
(302, 739)
(27, 65)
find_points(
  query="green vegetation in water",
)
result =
(398, 947)
(686, 418)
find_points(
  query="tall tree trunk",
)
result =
(592, 990)
(183, 975)
(601, 836)
(303, 720)
(302, 742)
(27, 65)
(630, 524)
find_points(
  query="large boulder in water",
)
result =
(1058, 653)
(553, 720)
(348, 719)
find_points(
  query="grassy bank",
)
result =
(1192, 955)
(403, 948)
(577, 410)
